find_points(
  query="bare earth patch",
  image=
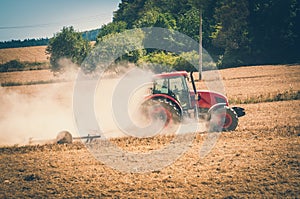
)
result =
(259, 159)
(255, 161)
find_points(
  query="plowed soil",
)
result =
(261, 159)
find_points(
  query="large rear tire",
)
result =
(223, 119)
(163, 110)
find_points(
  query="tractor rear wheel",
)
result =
(163, 110)
(223, 119)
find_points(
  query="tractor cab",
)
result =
(174, 85)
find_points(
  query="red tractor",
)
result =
(171, 99)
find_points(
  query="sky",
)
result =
(27, 19)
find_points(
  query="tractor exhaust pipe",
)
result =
(197, 97)
(193, 83)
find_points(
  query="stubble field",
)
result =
(259, 159)
(30, 54)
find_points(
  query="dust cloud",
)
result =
(39, 116)
(37, 113)
(44, 110)
(118, 103)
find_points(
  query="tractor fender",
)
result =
(164, 96)
(215, 107)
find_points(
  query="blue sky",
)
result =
(22, 19)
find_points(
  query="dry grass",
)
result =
(27, 76)
(257, 83)
(268, 97)
(20, 79)
(245, 82)
(30, 54)
(242, 85)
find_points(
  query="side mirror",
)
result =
(199, 97)
(150, 91)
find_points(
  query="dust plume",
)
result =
(117, 100)
(42, 111)
(39, 111)
(118, 108)
(40, 115)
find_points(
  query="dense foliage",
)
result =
(67, 44)
(17, 65)
(235, 32)
(13, 64)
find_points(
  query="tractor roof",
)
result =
(172, 74)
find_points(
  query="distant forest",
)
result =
(88, 35)
(235, 32)
(24, 43)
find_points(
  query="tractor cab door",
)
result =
(180, 88)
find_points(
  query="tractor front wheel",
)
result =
(223, 119)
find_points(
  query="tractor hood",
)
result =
(210, 98)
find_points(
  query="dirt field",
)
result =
(259, 159)
(30, 54)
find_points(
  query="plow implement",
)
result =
(65, 137)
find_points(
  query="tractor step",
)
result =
(239, 111)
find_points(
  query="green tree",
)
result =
(155, 18)
(67, 44)
(231, 32)
(188, 23)
(115, 48)
(129, 11)
(111, 28)
(234, 32)
(274, 27)
(159, 61)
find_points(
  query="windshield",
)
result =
(175, 87)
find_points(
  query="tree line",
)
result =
(235, 32)
(90, 35)
(24, 43)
